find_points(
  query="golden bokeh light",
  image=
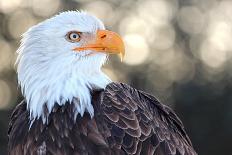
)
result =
(157, 12)
(9, 6)
(164, 38)
(212, 56)
(40, 7)
(220, 35)
(134, 24)
(216, 48)
(137, 49)
(102, 10)
(18, 27)
(224, 8)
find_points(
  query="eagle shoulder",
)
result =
(140, 124)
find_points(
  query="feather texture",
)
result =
(126, 121)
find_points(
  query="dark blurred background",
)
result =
(178, 50)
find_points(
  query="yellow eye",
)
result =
(74, 36)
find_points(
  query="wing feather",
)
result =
(140, 124)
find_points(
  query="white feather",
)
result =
(50, 72)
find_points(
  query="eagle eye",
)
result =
(73, 36)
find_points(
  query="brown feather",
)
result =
(126, 121)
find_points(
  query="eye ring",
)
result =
(73, 36)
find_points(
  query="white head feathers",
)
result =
(50, 72)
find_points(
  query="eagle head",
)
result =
(60, 59)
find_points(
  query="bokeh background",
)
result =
(178, 50)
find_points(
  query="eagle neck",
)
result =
(65, 90)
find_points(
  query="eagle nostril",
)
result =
(103, 36)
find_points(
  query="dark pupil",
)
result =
(75, 36)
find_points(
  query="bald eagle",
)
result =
(71, 107)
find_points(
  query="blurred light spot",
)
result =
(225, 7)
(6, 55)
(164, 38)
(212, 56)
(136, 25)
(158, 12)
(137, 49)
(191, 20)
(45, 8)
(7, 6)
(220, 35)
(102, 10)
(217, 48)
(5, 94)
(19, 22)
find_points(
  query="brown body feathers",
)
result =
(126, 121)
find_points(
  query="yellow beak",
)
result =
(106, 42)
